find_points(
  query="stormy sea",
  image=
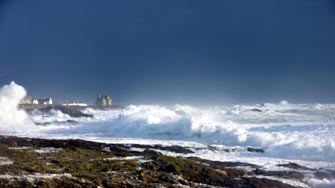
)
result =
(268, 135)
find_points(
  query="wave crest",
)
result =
(12, 120)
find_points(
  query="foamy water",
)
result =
(288, 131)
(300, 133)
(13, 120)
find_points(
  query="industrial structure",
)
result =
(104, 100)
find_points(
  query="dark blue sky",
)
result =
(175, 51)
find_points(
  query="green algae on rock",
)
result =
(77, 163)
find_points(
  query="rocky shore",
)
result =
(30, 162)
(72, 111)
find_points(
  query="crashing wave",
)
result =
(293, 131)
(13, 120)
(284, 130)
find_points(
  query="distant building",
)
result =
(73, 104)
(33, 101)
(26, 100)
(104, 100)
(45, 101)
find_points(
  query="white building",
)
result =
(73, 104)
(44, 101)
(33, 101)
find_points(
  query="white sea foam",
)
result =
(5, 161)
(12, 120)
(284, 130)
(33, 177)
(51, 116)
(48, 150)
(321, 183)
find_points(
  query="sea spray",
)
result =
(12, 119)
(290, 131)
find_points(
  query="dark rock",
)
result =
(285, 174)
(212, 148)
(263, 182)
(118, 149)
(90, 166)
(259, 171)
(294, 166)
(71, 112)
(259, 150)
(228, 164)
(57, 122)
(152, 152)
(14, 141)
(168, 168)
(325, 174)
(175, 149)
(256, 110)
(249, 149)
(280, 174)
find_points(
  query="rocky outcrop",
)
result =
(65, 110)
(79, 163)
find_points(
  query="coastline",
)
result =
(75, 107)
(33, 162)
(233, 171)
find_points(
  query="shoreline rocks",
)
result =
(84, 165)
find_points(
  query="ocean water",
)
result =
(287, 131)
(300, 133)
